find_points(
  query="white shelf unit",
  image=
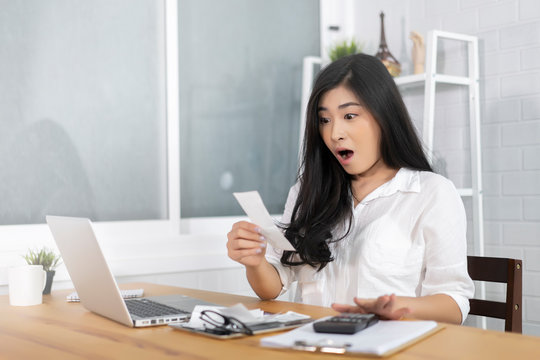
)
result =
(429, 80)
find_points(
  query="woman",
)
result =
(370, 221)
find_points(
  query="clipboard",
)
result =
(380, 340)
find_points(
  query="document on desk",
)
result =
(240, 312)
(256, 320)
(382, 339)
(254, 207)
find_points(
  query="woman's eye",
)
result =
(350, 116)
(323, 120)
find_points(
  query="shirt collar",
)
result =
(405, 180)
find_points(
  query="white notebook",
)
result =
(381, 339)
(126, 294)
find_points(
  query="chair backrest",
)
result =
(502, 270)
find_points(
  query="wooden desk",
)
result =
(61, 330)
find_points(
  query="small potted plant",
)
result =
(48, 259)
(344, 48)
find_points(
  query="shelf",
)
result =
(419, 79)
(410, 79)
(450, 79)
(465, 192)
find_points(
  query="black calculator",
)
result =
(345, 323)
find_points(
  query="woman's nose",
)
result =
(338, 131)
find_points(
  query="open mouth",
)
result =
(345, 154)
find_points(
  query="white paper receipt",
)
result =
(253, 205)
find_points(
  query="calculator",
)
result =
(345, 323)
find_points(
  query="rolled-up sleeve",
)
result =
(444, 229)
(286, 275)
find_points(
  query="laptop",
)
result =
(97, 287)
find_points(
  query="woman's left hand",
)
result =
(385, 306)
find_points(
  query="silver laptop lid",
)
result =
(88, 268)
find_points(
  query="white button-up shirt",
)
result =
(408, 239)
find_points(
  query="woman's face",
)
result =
(350, 131)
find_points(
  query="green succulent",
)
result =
(44, 257)
(344, 48)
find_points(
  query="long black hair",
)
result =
(324, 198)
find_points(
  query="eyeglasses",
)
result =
(223, 323)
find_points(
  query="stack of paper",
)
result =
(240, 312)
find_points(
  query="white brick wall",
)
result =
(529, 10)
(532, 260)
(531, 209)
(509, 34)
(490, 88)
(491, 138)
(521, 84)
(521, 233)
(498, 15)
(531, 107)
(502, 208)
(529, 58)
(494, 111)
(501, 159)
(531, 310)
(441, 7)
(525, 34)
(492, 184)
(521, 183)
(526, 133)
(492, 233)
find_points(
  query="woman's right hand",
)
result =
(246, 244)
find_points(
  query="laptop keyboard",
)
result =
(147, 308)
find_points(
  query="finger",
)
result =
(391, 301)
(234, 244)
(343, 307)
(241, 244)
(382, 304)
(246, 234)
(364, 303)
(246, 225)
(249, 235)
(238, 255)
(370, 306)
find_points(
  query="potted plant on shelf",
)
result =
(48, 259)
(344, 48)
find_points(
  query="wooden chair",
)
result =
(502, 270)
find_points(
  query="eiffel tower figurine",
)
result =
(391, 63)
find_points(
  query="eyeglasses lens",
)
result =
(224, 322)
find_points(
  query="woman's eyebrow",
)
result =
(342, 106)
